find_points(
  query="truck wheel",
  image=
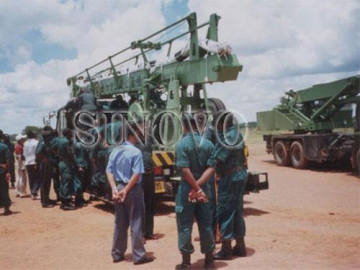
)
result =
(297, 157)
(281, 154)
(216, 104)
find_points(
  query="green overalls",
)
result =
(5, 157)
(194, 153)
(229, 152)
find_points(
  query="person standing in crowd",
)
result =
(11, 168)
(81, 167)
(45, 166)
(124, 173)
(148, 182)
(119, 104)
(22, 175)
(229, 153)
(87, 100)
(5, 157)
(193, 159)
(70, 184)
(54, 157)
(207, 131)
(30, 164)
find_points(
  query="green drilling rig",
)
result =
(160, 89)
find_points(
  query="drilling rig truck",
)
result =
(160, 90)
(318, 118)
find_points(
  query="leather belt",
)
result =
(121, 182)
(231, 170)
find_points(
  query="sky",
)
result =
(282, 45)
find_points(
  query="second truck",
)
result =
(323, 124)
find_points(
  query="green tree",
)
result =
(36, 130)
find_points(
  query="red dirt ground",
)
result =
(308, 219)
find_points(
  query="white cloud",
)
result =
(282, 45)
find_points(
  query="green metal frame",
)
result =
(199, 68)
(318, 108)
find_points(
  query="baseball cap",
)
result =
(19, 137)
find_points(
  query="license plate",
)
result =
(166, 171)
(159, 187)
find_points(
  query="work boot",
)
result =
(209, 261)
(239, 248)
(225, 252)
(80, 202)
(7, 211)
(65, 205)
(185, 261)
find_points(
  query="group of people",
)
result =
(213, 179)
(201, 162)
(42, 163)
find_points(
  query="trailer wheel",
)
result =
(281, 154)
(216, 104)
(297, 157)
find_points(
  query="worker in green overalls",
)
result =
(5, 158)
(68, 167)
(229, 153)
(193, 160)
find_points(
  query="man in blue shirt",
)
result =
(193, 159)
(124, 173)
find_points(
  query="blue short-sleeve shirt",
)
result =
(125, 161)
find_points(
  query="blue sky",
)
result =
(282, 44)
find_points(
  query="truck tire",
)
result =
(281, 155)
(216, 104)
(297, 157)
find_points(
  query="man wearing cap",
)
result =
(229, 153)
(5, 157)
(124, 173)
(22, 175)
(193, 159)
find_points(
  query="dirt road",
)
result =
(308, 219)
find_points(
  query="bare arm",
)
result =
(193, 194)
(111, 181)
(189, 177)
(206, 176)
(197, 193)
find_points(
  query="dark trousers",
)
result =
(230, 206)
(45, 181)
(34, 182)
(148, 185)
(69, 184)
(185, 213)
(12, 173)
(4, 191)
(56, 179)
(129, 213)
